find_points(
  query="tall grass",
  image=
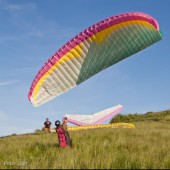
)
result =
(145, 147)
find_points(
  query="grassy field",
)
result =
(145, 147)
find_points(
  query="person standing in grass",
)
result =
(61, 134)
(47, 126)
(68, 138)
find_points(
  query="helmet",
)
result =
(57, 122)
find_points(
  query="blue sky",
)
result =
(31, 31)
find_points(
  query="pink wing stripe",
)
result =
(108, 116)
(77, 122)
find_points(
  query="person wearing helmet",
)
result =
(47, 126)
(68, 138)
(61, 134)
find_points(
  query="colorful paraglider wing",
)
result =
(96, 118)
(91, 51)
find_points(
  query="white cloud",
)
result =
(13, 7)
(18, 7)
(4, 83)
(33, 25)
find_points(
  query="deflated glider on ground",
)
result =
(94, 119)
(111, 125)
(91, 51)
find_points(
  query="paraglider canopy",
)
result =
(96, 118)
(91, 51)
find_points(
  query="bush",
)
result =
(37, 131)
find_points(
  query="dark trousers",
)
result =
(68, 139)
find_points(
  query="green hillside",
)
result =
(163, 116)
(145, 147)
